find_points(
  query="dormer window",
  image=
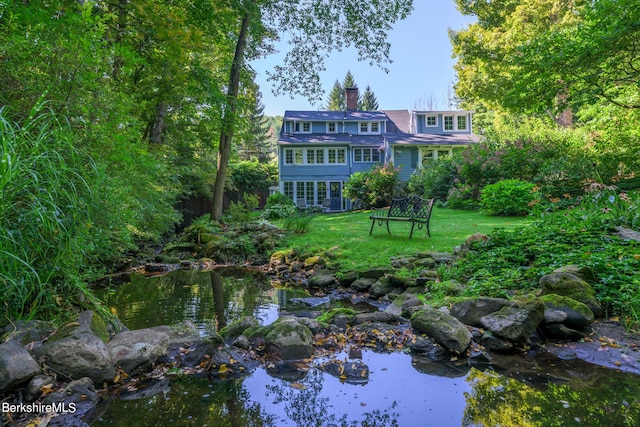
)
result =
(302, 127)
(369, 127)
(455, 123)
(332, 127)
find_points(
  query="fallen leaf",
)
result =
(298, 386)
(223, 369)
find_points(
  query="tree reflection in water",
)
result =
(306, 407)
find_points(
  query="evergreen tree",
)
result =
(349, 80)
(369, 102)
(336, 101)
(255, 144)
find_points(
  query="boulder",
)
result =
(402, 303)
(577, 314)
(27, 331)
(16, 365)
(374, 273)
(377, 316)
(237, 328)
(289, 339)
(381, 287)
(554, 316)
(569, 285)
(322, 280)
(363, 284)
(471, 311)
(445, 329)
(563, 332)
(517, 322)
(76, 399)
(77, 350)
(584, 273)
(33, 390)
(137, 349)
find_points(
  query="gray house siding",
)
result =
(439, 128)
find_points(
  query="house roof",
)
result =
(336, 139)
(399, 121)
(428, 139)
(334, 116)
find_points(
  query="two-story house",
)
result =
(319, 150)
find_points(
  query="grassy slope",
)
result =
(348, 234)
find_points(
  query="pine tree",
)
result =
(369, 101)
(336, 101)
(349, 80)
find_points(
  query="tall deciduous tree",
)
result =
(316, 28)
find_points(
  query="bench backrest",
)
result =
(411, 207)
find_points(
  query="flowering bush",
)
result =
(373, 188)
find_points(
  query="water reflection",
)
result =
(403, 389)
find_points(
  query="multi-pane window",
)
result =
(309, 192)
(431, 121)
(428, 155)
(314, 156)
(337, 155)
(288, 189)
(369, 127)
(448, 122)
(302, 127)
(366, 155)
(332, 127)
(462, 122)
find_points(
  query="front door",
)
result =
(335, 193)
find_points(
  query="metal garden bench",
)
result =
(413, 209)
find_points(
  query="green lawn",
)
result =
(347, 234)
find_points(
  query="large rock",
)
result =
(471, 311)
(584, 273)
(76, 399)
(445, 329)
(578, 314)
(139, 348)
(16, 365)
(516, 323)
(363, 283)
(322, 280)
(401, 305)
(27, 331)
(569, 285)
(77, 350)
(237, 328)
(381, 287)
(289, 339)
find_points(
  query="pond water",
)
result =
(402, 390)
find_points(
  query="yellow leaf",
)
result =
(113, 310)
(298, 386)
(223, 369)
(232, 361)
(617, 363)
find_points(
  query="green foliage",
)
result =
(278, 206)
(436, 179)
(240, 212)
(251, 175)
(298, 223)
(375, 187)
(515, 261)
(508, 197)
(45, 216)
(336, 99)
(369, 100)
(462, 197)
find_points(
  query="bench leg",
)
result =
(388, 231)
(373, 222)
(411, 233)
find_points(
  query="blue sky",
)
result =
(422, 65)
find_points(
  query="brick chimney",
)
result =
(351, 94)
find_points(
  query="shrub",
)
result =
(509, 197)
(240, 212)
(462, 197)
(436, 179)
(279, 199)
(373, 188)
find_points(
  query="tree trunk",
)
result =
(157, 127)
(228, 117)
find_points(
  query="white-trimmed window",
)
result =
(314, 156)
(288, 189)
(366, 155)
(302, 127)
(369, 127)
(462, 122)
(431, 154)
(336, 155)
(448, 122)
(456, 123)
(332, 127)
(430, 121)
